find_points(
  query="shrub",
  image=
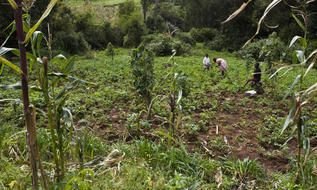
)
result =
(126, 8)
(185, 37)
(71, 42)
(133, 29)
(155, 23)
(142, 65)
(96, 35)
(218, 43)
(172, 14)
(163, 45)
(270, 49)
(203, 34)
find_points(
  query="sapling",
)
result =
(110, 51)
(142, 64)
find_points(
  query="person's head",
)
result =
(214, 59)
(257, 65)
(206, 55)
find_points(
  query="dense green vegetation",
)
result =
(130, 106)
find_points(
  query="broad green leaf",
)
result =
(267, 10)
(45, 14)
(4, 50)
(36, 42)
(13, 4)
(10, 64)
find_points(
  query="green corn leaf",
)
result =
(278, 70)
(37, 38)
(295, 38)
(300, 24)
(68, 117)
(180, 93)
(1, 68)
(69, 66)
(14, 86)
(300, 56)
(45, 14)
(289, 119)
(309, 68)
(10, 64)
(237, 12)
(310, 90)
(267, 10)
(312, 54)
(295, 82)
(13, 4)
(11, 32)
(4, 50)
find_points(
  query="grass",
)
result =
(107, 111)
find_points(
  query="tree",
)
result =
(145, 5)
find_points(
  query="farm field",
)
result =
(132, 95)
(220, 129)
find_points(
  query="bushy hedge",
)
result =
(269, 49)
(219, 43)
(71, 42)
(203, 34)
(163, 45)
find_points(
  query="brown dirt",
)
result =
(240, 128)
(238, 125)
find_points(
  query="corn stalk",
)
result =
(28, 114)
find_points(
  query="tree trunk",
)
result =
(30, 124)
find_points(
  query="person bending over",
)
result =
(222, 64)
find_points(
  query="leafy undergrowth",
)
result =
(224, 139)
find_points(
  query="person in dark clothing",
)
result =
(256, 80)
